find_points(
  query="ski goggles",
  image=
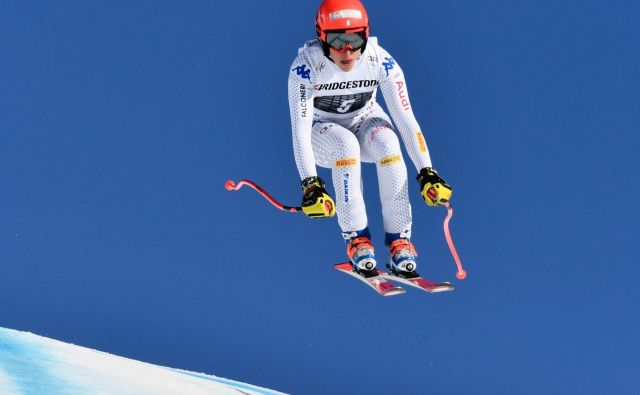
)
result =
(342, 41)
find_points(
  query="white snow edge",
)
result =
(31, 364)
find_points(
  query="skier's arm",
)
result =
(394, 91)
(301, 109)
(316, 202)
(433, 188)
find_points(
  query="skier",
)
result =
(337, 124)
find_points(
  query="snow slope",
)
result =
(31, 364)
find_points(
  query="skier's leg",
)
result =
(337, 148)
(380, 144)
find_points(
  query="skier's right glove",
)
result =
(316, 202)
(434, 190)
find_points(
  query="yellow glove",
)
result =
(434, 190)
(316, 202)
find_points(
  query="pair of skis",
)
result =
(381, 281)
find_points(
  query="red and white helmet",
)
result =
(347, 16)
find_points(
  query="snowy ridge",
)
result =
(31, 364)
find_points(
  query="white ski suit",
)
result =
(337, 124)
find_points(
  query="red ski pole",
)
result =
(232, 186)
(461, 274)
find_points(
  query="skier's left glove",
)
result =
(316, 202)
(434, 190)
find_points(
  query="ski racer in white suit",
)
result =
(338, 124)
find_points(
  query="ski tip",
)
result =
(443, 287)
(343, 266)
(461, 275)
(395, 291)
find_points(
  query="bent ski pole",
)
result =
(461, 274)
(433, 194)
(232, 186)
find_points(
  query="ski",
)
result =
(415, 280)
(374, 279)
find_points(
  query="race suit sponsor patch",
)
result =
(302, 72)
(390, 159)
(346, 162)
(421, 143)
(342, 104)
(403, 95)
(346, 85)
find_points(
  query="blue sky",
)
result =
(121, 121)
